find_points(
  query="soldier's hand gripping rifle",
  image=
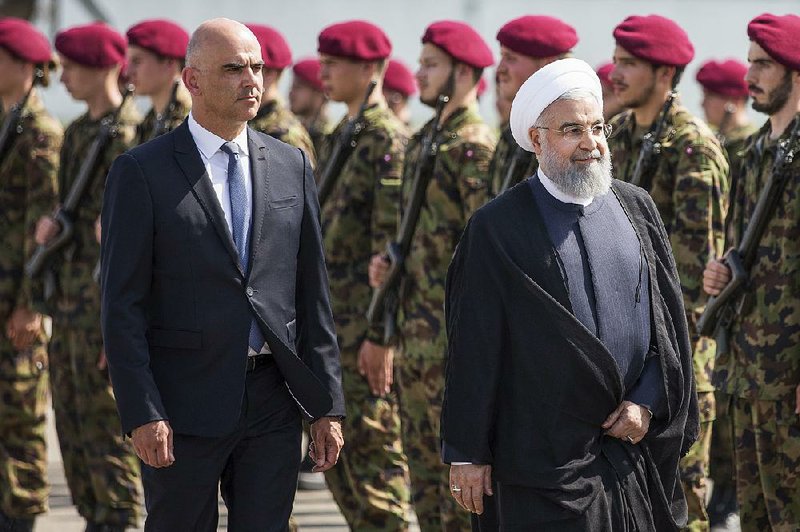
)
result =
(386, 299)
(651, 147)
(721, 309)
(345, 144)
(160, 127)
(65, 214)
(12, 125)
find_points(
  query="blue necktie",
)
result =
(240, 224)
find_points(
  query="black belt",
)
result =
(256, 361)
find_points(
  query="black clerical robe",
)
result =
(528, 386)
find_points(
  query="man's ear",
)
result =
(535, 136)
(189, 77)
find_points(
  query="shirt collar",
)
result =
(551, 188)
(209, 143)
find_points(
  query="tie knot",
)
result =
(231, 148)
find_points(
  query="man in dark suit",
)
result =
(216, 314)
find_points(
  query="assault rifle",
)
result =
(386, 299)
(508, 179)
(12, 125)
(651, 147)
(160, 127)
(65, 214)
(345, 144)
(721, 309)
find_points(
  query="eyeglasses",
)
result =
(575, 132)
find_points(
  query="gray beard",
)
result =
(576, 180)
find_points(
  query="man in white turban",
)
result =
(569, 378)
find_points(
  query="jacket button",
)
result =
(249, 291)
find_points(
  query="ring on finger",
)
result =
(628, 437)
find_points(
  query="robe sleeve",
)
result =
(649, 389)
(476, 326)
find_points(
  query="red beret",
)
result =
(779, 37)
(604, 73)
(94, 45)
(724, 78)
(655, 39)
(24, 41)
(162, 37)
(399, 78)
(308, 71)
(460, 41)
(355, 39)
(538, 36)
(275, 50)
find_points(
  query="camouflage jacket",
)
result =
(506, 149)
(275, 119)
(765, 363)
(78, 297)
(319, 129)
(183, 104)
(360, 216)
(690, 189)
(28, 191)
(458, 187)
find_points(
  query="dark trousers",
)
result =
(255, 467)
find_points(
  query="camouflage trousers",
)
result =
(370, 482)
(101, 469)
(721, 465)
(767, 464)
(420, 390)
(23, 456)
(694, 467)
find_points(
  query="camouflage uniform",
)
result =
(183, 104)
(318, 129)
(27, 192)
(762, 368)
(459, 185)
(689, 186)
(370, 483)
(276, 120)
(102, 471)
(506, 149)
(721, 464)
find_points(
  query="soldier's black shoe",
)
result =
(8, 524)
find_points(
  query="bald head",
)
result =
(224, 76)
(215, 33)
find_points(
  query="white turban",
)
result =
(544, 87)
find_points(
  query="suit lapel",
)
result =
(259, 175)
(191, 164)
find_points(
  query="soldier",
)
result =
(725, 97)
(308, 102)
(452, 60)
(611, 105)
(370, 484)
(688, 183)
(102, 471)
(273, 117)
(526, 44)
(761, 368)
(156, 52)
(398, 86)
(28, 167)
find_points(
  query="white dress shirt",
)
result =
(216, 162)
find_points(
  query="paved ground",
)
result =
(315, 511)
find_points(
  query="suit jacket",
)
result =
(528, 386)
(176, 304)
